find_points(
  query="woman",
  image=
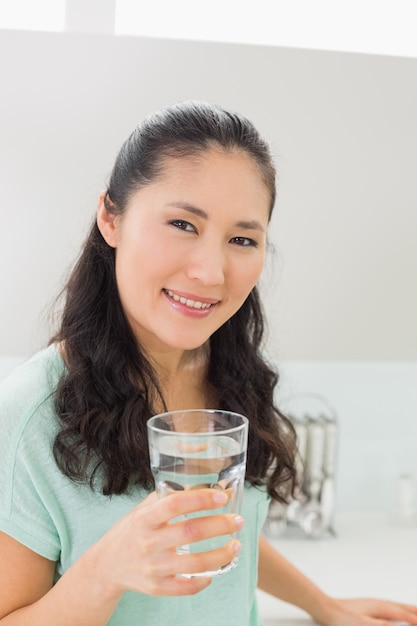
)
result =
(161, 312)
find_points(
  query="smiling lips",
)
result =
(194, 304)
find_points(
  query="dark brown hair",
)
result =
(106, 394)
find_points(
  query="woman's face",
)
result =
(189, 248)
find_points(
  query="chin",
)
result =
(188, 343)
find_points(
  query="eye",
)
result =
(245, 242)
(183, 225)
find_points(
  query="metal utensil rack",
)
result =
(310, 513)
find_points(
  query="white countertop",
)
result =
(371, 555)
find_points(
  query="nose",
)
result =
(207, 264)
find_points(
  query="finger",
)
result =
(206, 561)
(198, 529)
(176, 564)
(401, 613)
(409, 609)
(184, 502)
(190, 448)
(396, 611)
(385, 612)
(150, 499)
(179, 586)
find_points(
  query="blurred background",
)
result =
(333, 86)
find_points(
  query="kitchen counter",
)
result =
(371, 555)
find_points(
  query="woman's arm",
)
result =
(137, 553)
(28, 597)
(280, 578)
(17, 564)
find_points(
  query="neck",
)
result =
(169, 365)
(183, 381)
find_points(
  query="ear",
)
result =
(106, 222)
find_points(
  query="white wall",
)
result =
(340, 287)
(344, 131)
(375, 404)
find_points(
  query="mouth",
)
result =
(194, 304)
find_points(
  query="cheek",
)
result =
(146, 262)
(248, 276)
(258, 267)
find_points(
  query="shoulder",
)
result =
(42, 369)
(28, 388)
(28, 425)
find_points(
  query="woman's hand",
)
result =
(280, 578)
(368, 612)
(139, 552)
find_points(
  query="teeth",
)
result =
(191, 303)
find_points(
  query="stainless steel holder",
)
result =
(310, 513)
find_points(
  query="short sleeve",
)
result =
(26, 462)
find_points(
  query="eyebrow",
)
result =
(245, 224)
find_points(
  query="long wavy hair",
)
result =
(108, 389)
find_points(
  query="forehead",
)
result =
(211, 155)
(214, 168)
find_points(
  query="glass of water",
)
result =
(200, 449)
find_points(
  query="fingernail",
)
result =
(220, 497)
(237, 546)
(239, 521)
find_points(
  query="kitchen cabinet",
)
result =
(371, 555)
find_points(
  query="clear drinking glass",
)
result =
(200, 449)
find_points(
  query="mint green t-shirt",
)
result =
(59, 519)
